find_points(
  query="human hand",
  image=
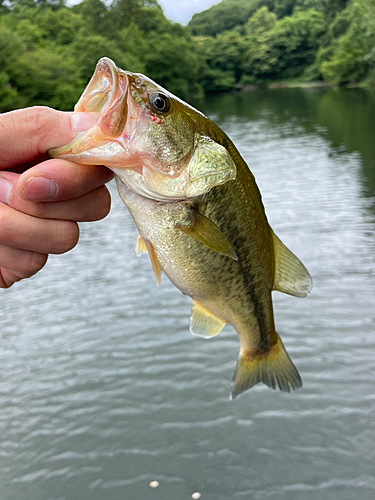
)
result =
(42, 200)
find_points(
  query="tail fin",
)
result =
(273, 368)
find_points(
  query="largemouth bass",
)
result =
(199, 214)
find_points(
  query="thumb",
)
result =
(27, 133)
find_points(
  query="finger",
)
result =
(18, 264)
(94, 205)
(19, 230)
(60, 180)
(7, 278)
(21, 167)
(40, 128)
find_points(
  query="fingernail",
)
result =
(39, 189)
(83, 121)
(5, 190)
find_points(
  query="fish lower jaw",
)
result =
(132, 200)
(134, 181)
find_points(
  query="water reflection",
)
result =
(345, 117)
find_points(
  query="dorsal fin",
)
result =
(203, 323)
(208, 234)
(290, 276)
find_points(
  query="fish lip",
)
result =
(106, 94)
(105, 77)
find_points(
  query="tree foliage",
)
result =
(286, 39)
(350, 53)
(48, 51)
(225, 16)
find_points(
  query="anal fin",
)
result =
(290, 276)
(203, 323)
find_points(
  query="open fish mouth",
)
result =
(101, 89)
(105, 94)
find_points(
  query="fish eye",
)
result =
(159, 102)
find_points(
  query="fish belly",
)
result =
(237, 292)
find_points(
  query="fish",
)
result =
(199, 214)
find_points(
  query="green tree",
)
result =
(284, 48)
(283, 8)
(262, 21)
(222, 60)
(46, 79)
(11, 43)
(330, 8)
(132, 41)
(173, 63)
(153, 20)
(215, 76)
(225, 16)
(30, 32)
(60, 26)
(260, 58)
(124, 12)
(86, 50)
(9, 97)
(97, 18)
(350, 56)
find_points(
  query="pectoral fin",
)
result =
(203, 323)
(208, 234)
(290, 276)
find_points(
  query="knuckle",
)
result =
(41, 120)
(37, 117)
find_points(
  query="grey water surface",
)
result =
(103, 389)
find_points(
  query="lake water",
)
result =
(103, 389)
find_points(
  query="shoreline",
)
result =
(314, 84)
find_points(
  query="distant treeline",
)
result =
(263, 41)
(48, 51)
